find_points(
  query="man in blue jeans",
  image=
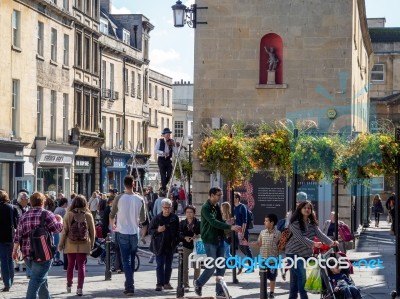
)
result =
(129, 208)
(212, 233)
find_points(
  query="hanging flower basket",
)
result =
(370, 155)
(272, 151)
(228, 155)
(315, 157)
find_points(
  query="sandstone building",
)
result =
(323, 51)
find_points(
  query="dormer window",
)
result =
(126, 37)
(104, 26)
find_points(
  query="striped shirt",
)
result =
(301, 242)
(269, 243)
(31, 220)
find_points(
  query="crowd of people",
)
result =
(130, 217)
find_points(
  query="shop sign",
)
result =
(108, 161)
(82, 166)
(55, 159)
(119, 162)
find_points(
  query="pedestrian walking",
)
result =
(29, 222)
(227, 217)
(129, 208)
(378, 208)
(164, 229)
(77, 240)
(329, 230)
(304, 228)
(94, 204)
(157, 204)
(212, 233)
(60, 210)
(8, 223)
(268, 243)
(21, 206)
(241, 218)
(189, 231)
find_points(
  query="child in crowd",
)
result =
(268, 242)
(341, 282)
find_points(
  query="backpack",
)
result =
(284, 239)
(250, 220)
(78, 230)
(42, 248)
(345, 232)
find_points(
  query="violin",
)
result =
(172, 143)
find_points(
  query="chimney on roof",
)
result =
(106, 5)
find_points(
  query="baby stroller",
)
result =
(328, 291)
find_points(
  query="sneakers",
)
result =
(186, 289)
(284, 276)
(168, 287)
(222, 296)
(79, 292)
(159, 288)
(271, 295)
(69, 289)
(197, 289)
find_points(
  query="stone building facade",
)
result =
(37, 96)
(135, 99)
(385, 88)
(183, 109)
(323, 51)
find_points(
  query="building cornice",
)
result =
(364, 26)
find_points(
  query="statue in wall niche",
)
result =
(272, 59)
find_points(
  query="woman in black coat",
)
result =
(189, 230)
(164, 229)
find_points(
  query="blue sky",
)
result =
(171, 49)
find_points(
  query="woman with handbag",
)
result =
(189, 230)
(164, 229)
(378, 208)
(304, 228)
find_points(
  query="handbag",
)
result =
(156, 244)
(284, 239)
(198, 248)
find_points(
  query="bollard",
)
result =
(180, 291)
(263, 285)
(108, 273)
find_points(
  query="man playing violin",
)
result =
(164, 149)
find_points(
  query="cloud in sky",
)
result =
(175, 73)
(159, 56)
(120, 11)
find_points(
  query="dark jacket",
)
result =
(185, 232)
(167, 240)
(212, 226)
(8, 222)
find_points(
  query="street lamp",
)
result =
(183, 14)
(190, 143)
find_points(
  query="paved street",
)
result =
(374, 283)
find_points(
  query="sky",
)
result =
(172, 49)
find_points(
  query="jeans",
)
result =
(128, 246)
(56, 238)
(7, 266)
(214, 251)
(38, 282)
(164, 267)
(350, 292)
(80, 259)
(297, 279)
(227, 250)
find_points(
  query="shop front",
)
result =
(11, 166)
(113, 170)
(53, 174)
(83, 179)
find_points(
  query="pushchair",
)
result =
(327, 284)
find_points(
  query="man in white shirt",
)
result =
(164, 149)
(129, 208)
(93, 204)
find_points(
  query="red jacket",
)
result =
(181, 194)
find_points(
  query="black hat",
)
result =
(23, 190)
(166, 131)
